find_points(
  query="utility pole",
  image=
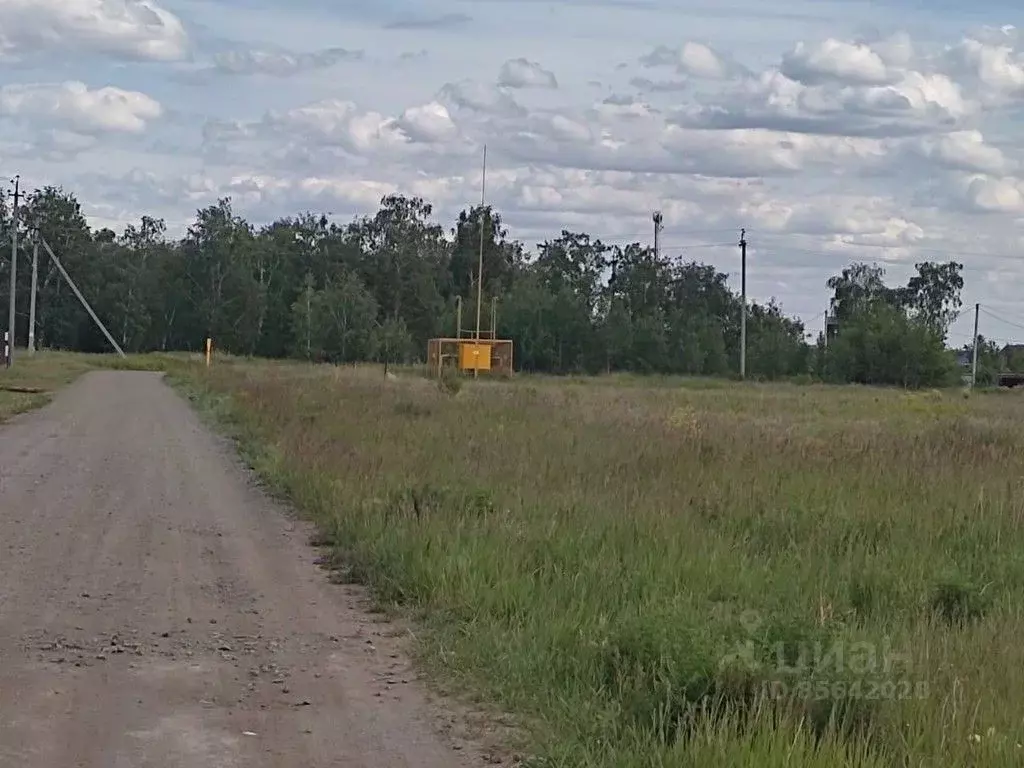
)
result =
(657, 235)
(480, 264)
(32, 297)
(974, 364)
(78, 295)
(743, 315)
(14, 273)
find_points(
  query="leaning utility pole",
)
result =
(14, 274)
(78, 293)
(32, 296)
(743, 314)
(974, 364)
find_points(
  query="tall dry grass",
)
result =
(688, 575)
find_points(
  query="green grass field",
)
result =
(663, 572)
(646, 574)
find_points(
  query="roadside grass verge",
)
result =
(722, 575)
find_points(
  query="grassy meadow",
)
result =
(674, 573)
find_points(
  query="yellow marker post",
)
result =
(209, 351)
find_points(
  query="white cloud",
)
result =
(835, 61)
(694, 59)
(338, 122)
(279, 63)
(429, 123)
(64, 145)
(916, 103)
(136, 29)
(996, 195)
(304, 133)
(74, 104)
(896, 51)
(522, 73)
(700, 61)
(481, 98)
(964, 151)
(996, 68)
(646, 85)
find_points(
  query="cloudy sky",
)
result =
(831, 130)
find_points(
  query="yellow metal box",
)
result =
(474, 356)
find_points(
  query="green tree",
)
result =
(882, 345)
(404, 264)
(501, 257)
(933, 294)
(391, 342)
(380, 286)
(857, 289)
(336, 323)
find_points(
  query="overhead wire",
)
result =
(753, 233)
(1001, 319)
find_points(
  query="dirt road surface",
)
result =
(157, 611)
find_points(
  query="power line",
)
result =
(816, 317)
(1002, 319)
(639, 237)
(697, 245)
(760, 240)
(903, 246)
(673, 232)
(889, 261)
(1001, 316)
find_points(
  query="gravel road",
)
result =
(156, 610)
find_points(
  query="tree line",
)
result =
(380, 286)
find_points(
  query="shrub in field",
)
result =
(958, 602)
(450, 382)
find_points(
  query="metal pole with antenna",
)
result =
(743, 315)
(14, 274)
(480, 265)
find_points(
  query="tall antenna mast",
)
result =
(480, 265)
(14, 273)
(743, 316)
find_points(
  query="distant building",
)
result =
(1013, 361)
(1013, 353)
